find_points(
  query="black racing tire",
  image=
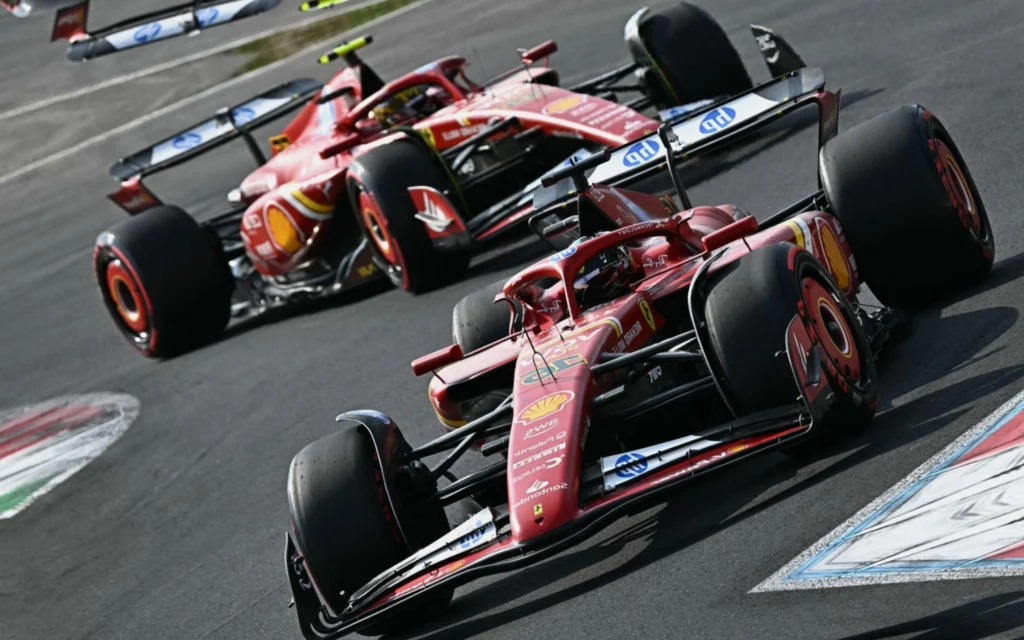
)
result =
(164, 280)
(384, 175)
(908, 206)
(693, 57)
(748, 310)
(345, 528)
(477, 321)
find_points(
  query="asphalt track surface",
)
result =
(177, 531)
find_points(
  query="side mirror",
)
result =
(542, 50)
(436, 360)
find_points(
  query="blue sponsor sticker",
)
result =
(717, 119)
(243, 115)
(472, 538)
(206, 17)
(630, 465)
(187, 141)
(563, 254)
(641, 152)
(147, 32)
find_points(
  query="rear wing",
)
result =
(225, 126)
(724, 122)
(171, 22)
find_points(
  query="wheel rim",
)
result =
(373, 220)
(376, 227)
(832, 326)
(958, 188)
(127, 299)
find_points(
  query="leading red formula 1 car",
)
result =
(401, 179)
(656, 346)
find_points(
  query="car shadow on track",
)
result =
(982, 618)
(710, 507)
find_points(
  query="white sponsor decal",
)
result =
(540, 492)
(539, 456)
(550, 464)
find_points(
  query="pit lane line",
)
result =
(70, 151)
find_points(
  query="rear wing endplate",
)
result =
(227, 125)
(171, 22)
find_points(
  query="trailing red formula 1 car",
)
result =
(72, 16)
(655, 346)
(403, 179)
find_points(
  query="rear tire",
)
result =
(693, 58)
(344, 525)
(748, 311)
(477, 320)
(164, 281)
(909, 207)
(378, 183)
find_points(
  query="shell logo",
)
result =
(545, 406)
(284, 233)
(835, 256)
(564, 104)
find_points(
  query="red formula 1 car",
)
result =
(653, 348)
(72, 16)
(403, 179)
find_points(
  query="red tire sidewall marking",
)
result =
(124, 267)
(821, 307)
(371, 215)
(958, 189)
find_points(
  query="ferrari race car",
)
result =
(185, 19)
(655, 346)
(401, 179)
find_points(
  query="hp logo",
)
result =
(187, 141)
(147, 32)
(630, 465)
(205, 17)
(717, 120)
(641, 152)
(244, 115)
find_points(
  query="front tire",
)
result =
(378, 183)
(477, 320)
(748, 310)
(909, 207)
(164, 281)
(346, 527)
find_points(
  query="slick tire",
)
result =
(908, 206)
(378, 183)
(345, 528)
(748, 310)
(477, 321)
(692, 56)
(164, 280)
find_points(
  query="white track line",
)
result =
(142, 73)
(60, 155)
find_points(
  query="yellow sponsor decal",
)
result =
(428, 135)
(311, 204)
(538, 510)
(834, 256)
(279, 143)
(564, 104)
(545, 406)
(282, 230)
(798, 234)
(367, 270)
(645, 310)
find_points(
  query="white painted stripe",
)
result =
(64, 453)
(159, 113)
(962, 515)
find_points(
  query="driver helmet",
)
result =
(605, 277)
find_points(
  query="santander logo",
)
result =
(537, 485)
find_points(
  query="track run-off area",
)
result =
(175, 529)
